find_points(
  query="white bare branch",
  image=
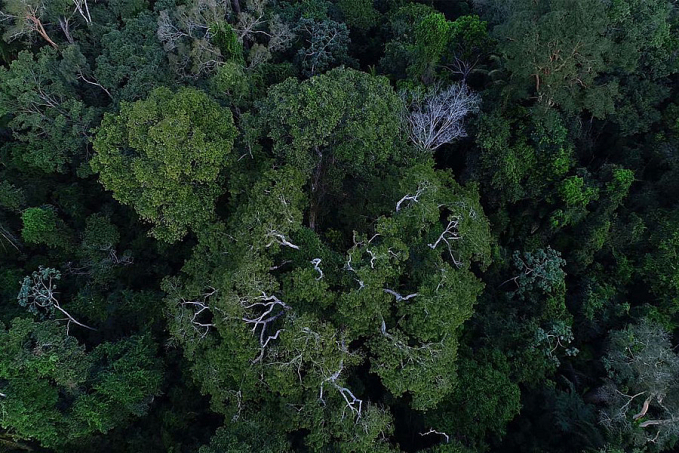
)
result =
(39, 293)
(413, 198)
(440, 433)
(83, 9)
(265, 310)
(277, 238)
(316, 262)
(196, 312)
(421, 355)
(352, 402)
(94, 82)
(398, 297)
(450, 233)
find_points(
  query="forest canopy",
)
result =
(339, 226)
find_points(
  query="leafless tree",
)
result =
(462, 67)
(437, 117)
(189, 31)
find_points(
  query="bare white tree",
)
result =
(642, 395)
(437, 117)
(189, 31)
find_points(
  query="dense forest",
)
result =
(339, 226)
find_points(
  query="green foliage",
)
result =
(49, 120)
(132, 62)
(328, 41)
(358, 109)
(484, 402)
(559, 47)
(227, 42)
(574, 193)
(11, 197)
(359, 14)
(541, 269)
(316, 282)
(233, 83)
(164, 156)
(55, 393)
(420, 35)
(43, 226)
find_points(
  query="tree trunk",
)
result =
(63, 23)
(644, 409)
(41, 30)
(659, 422)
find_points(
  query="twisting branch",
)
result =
(413, 198)
(316, 262)
(267, 309)
(196, 310)
(398, 297)
(450, 233)
(352, 402)
(277, 238)
(440, 433)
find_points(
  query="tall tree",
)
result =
(164, 156)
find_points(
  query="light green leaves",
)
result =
(164, 155)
